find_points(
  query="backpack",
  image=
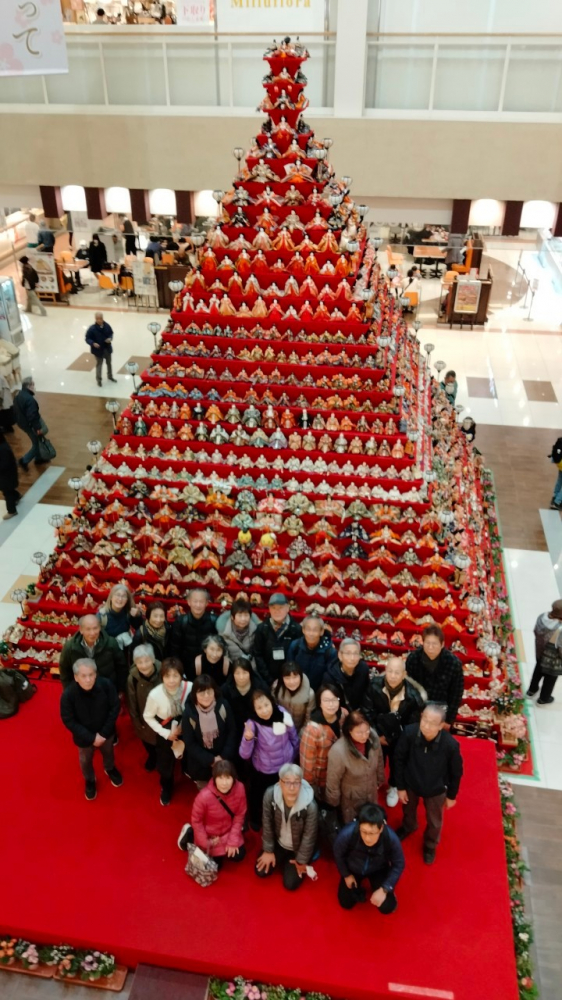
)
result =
(15, 689)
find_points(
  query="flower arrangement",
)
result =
(516, 868)
(86, 965)
(27, 953)
(241, 989)
(7, 951)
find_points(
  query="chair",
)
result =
(414, 300)
(465, 268)
(66, 256)
(106, 282)
(393, 258)
(168, 258)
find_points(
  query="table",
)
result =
(428, 253)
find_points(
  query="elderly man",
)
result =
(428, 766)
(438, 671)
(28, 419)
(290, 827)
(143, 678)
(189, 630)
(273, 637)
(350, 674)
(90, 640)
(369, 849)
(314, 651)
(397, 701)
(99, 336)
(89, 707)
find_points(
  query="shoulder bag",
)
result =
(551, 659)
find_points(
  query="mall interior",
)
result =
(161, 164)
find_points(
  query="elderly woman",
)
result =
(397, 701)
(119, 614)
(350, 674)
(355, 767)
(212, 659)
(319, 736)
(208, 730)
(218, 814)
(293, 692)
(155, 631)
(238, 630)
(269, 741)
(290, 826)
(143, 678)
(163, 713)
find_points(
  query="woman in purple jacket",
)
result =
(269, 741)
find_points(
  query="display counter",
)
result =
(466, 300)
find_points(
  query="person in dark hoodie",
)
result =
(369, 849)
(237, 691)
(314, 652)
(438, 671)
(155, 631)
(397, 701)
(351, 675)
(273, 637)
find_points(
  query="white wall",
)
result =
(408, 210)
(459, 17)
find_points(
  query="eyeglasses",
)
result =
(291, 784)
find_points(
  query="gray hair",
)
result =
(313, 618)
(84, 662)
(198, 590)
(293, 769)
(82, 620)
(145, 649)
(27, 381)
(350, 642)
(437, 708)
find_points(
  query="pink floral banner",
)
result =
(32, 38)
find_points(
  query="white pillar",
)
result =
(351, 59)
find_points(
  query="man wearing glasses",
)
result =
(290, 826)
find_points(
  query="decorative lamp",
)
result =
(328, 142)
(417, 325)
(352, 246)
(335, 199)
(94, 447)
(384, 340)
(446, 517)
(363, 210)
(175, 286)
(461, 560)
(459, 408)
(19, 595)
(320, 153)
(404, 301)
(75, 484)
(347, 180)
(439, 366)
(132, 367)
(56, 521)
(39, 558)
(366, 294)
(239, 153)
(154, 329)
(492, 649)
(399, 390)
(429, 475)
(428, 348)
(376, 241)
(413, 435)
(113, 407)
(218, 195)
(475, 604)
(198, 239)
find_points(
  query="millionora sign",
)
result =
(31, 38)
(289, 16)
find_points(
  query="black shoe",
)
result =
(545, 701)
(402, 833)
(429, 855)
(256, 827)
(115, 740)
(531, 694)
(111, 379)
(115, 777)
(24, 465)
(149, 764)
(556, 506)
(18, 496)
(165, 797)
(185, 837)
(91, 790)
(99, 382)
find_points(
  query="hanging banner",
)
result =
(194, 13)
(31, 38)
(291, 17)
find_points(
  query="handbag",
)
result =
(551, 659)
(43, 426)
(46, 450)
(202, 868)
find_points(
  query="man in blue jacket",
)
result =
(99, 336)
(369, 849)
(314, 652)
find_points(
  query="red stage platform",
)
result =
(108, 874)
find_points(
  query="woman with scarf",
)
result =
(163, 713)
(293, 692)
(213, 660)
(155, 632)
(238, 630)
(208, 730)
(317, 739)
(269, 741)
(119, 615)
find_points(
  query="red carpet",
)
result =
(108, 874)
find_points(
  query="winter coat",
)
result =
(116, 623)
(428, 767)
(187, 635)
(236, 647)
(241, 703)
(8, 468)
(269, 750)
(109, 659)
(317, 739)
(87, 713)
(299, 705)
(352, 778)
(29, 277)
(355, 688)
(26, 409)
(97, 255)
(353, 857)
(210, 819)
(138, 690)
(198, 759)
(544, 627)
(270, 643)
(96, 337)
(314, 662)
(303, 819)
(445, 685)
(142, 638)
(390, 724)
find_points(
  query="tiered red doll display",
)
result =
(287, 437)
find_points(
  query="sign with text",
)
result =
(44, 264)
(290, 17)
(32, 38)
(144, 279)
(194, 13)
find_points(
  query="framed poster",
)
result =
(467, 297)
(44, 264)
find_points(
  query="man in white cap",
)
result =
(81, 255)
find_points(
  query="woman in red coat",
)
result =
(218, 814)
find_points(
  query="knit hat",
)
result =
(281, 599)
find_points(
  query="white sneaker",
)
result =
(185, 837)
(392, 797)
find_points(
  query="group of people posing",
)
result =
(276, 728)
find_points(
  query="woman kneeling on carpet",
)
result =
(290, 827)
(217, 816)
(163, 713)
(269, 741)
(208, 730)
(369, 849)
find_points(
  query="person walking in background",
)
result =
(7, 418)
(99, 336)
(556, 457)
(128, 231)
(31, 232)
(30, 280)
(548, 629)
(28, 419)
(89, 707)
(8, 478)
(97, 254)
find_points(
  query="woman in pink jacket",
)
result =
(218, 815)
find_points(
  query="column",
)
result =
(140, 209)
(512, 218)
(557, 231)
(184, 207)
(460, 216)
(351, 59)
(95, 203)
(52, 202)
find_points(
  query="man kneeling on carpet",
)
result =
(217, 816)
(368, 848)
(89, 708)
(428, 766)
(290, 827)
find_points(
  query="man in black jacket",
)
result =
(28, 419)
(273, 637)
(428, 766)
(30, 280)
(368, 848)
(396, 702)
(99, 337)
(438, 671)
(89, 708)
(351, 675)
(188, 631)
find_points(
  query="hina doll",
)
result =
(283, 240)
(266, 222)
(293, 196)
(261, 241)
(244, 264)
(298, 172)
